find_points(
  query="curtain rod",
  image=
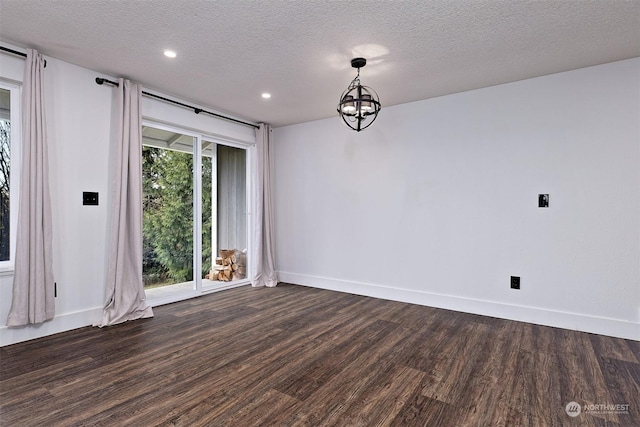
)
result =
(15, 52)
(197, 110)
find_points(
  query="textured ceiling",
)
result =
(231, 51)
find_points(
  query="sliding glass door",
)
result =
(224, 213)
(168, 210)
(195, 216)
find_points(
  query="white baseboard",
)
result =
(60, 323)
(566, 320)
(68, 321)
(559, 319)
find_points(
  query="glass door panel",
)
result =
(224, 213)
(168, 211)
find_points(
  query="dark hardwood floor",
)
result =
(293, 355)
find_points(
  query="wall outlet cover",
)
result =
(89, 198)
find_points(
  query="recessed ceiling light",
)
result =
(169, 54)
(266, 95)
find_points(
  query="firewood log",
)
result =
(226, 253)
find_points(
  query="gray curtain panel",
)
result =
(125, 290)
(263, 254)
(33, 286)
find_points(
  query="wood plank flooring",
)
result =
(297, 356)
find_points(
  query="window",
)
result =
(194, 212)
(9, 167)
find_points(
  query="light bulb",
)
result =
(347, 105)
(366, 103)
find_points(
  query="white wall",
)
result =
(78, 124)
(79, 129)
(163, 112)
(436, 203)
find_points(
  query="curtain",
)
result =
(263, 253)
(125, 289)
(33, 286)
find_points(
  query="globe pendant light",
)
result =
(359, 105)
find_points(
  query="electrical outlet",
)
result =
(89, 198)
(515, 282)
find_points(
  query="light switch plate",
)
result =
(543, 200)
(89, 198)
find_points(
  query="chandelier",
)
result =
(359, 105)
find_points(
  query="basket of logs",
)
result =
(230, 265)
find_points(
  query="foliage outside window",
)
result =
(5, 189)
(168, 215)
(9, 114)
